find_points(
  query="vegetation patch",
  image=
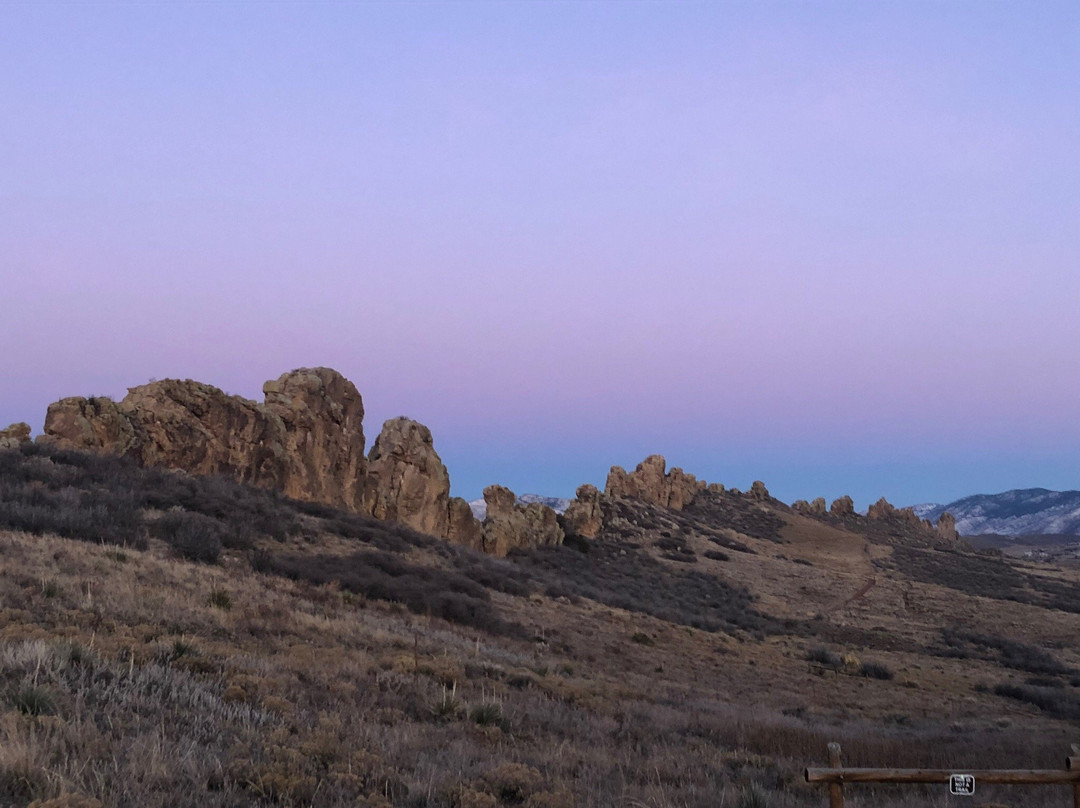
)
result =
(382, 576)
(627, 577)
(960, 643)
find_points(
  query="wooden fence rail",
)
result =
(836, 776)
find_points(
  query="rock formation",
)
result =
(14, 436)
(407, 481)
(306, 440)
(198, 428)
(510, 525)
(323, 414)
(584, 517)
(946, 527)
(649, 483)
(882, 509)
(843, 506)
(759, 492)
(89, 423)
(461, 526)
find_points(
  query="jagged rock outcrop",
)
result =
(14, 436)
(462, 527)
(817, 506)
(842, 506)
(650, 483)
(198, 428)
(307, 440)
(407, 481)
(715, 488)
(882, 509)
(759, 492)
(88, 423)
(509, 524)
(323, 414)
(946, 528)
(583, 516)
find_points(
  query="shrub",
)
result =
(825, 657)
(448, 707)
(754, 796)
(379, 575)
(192, 535)
(1057, 702)
(487, 714)
(875, 670)
(1014, 654)
(219, 599)
(33, 700)
(623, 575)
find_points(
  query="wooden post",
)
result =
(836, 790)
(1069, 765)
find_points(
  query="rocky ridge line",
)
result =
(306, 440)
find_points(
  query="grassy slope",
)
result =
(325, 659)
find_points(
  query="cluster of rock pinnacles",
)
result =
(307, 440)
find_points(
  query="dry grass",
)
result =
(135, 677)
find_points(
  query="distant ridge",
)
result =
(1020, 512)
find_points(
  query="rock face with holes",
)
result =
(510, 524)
(649, 482)
(14, 436)
(88, 423)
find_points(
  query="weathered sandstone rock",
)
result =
(14, 436)
(715, 488)
(88, 423)
(817, 507)
(323, 415)
(843, 506)
(882, 509)
(946, 527)
(759, 492)
(583, 517)
(509, 525)
(198, 428)
(461, 526)
(306, 441)
(649, 483)
(407, 481)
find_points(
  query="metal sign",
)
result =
(962, 784)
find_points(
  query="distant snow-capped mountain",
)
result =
(1014, 513)
(557, 504)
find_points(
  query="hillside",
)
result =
(177, 640)
(1022, 512)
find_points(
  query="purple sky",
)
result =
(830, 245)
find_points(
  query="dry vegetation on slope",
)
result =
(312, 657)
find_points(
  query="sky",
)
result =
(833, 246)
